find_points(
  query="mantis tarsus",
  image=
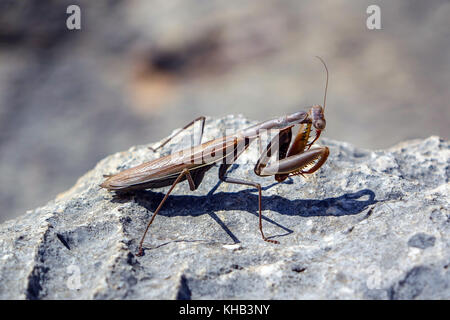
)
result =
(295, 157)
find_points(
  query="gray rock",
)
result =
(356, 229)
(422, 241)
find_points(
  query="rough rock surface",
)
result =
(367, 225)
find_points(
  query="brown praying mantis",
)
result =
(295, 157)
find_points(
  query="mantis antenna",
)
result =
(326, 85)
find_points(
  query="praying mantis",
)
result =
(295, 157)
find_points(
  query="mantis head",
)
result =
(318, 118)
(317, 112)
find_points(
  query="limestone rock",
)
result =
(367, 225)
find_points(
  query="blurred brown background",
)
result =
(138, 69)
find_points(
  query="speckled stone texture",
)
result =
(367, 225)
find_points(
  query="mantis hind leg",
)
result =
(192, 185)
(201, 118)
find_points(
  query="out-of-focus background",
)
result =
(138, 69)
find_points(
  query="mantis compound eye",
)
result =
(320, 124)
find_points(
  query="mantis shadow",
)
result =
(246, 200)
